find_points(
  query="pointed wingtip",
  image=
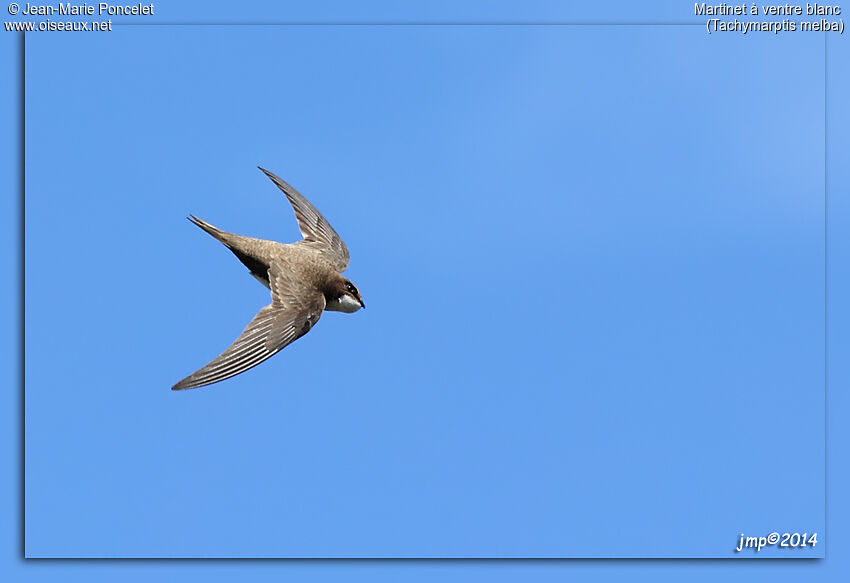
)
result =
(181, 386)
(270, 175)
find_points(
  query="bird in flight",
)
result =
(304, 278)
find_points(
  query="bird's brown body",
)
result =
(300, 259)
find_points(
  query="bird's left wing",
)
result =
(294, 310)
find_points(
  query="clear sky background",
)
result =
(593, 259)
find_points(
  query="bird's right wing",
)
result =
(315, 228)
(294, 310)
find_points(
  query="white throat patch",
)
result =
(345, 304)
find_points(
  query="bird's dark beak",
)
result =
(362, 305)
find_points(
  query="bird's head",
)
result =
(346, 298)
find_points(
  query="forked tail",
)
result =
(214, 231)
(245, 249)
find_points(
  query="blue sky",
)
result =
(593, 259)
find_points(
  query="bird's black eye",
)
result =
(350, 287)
